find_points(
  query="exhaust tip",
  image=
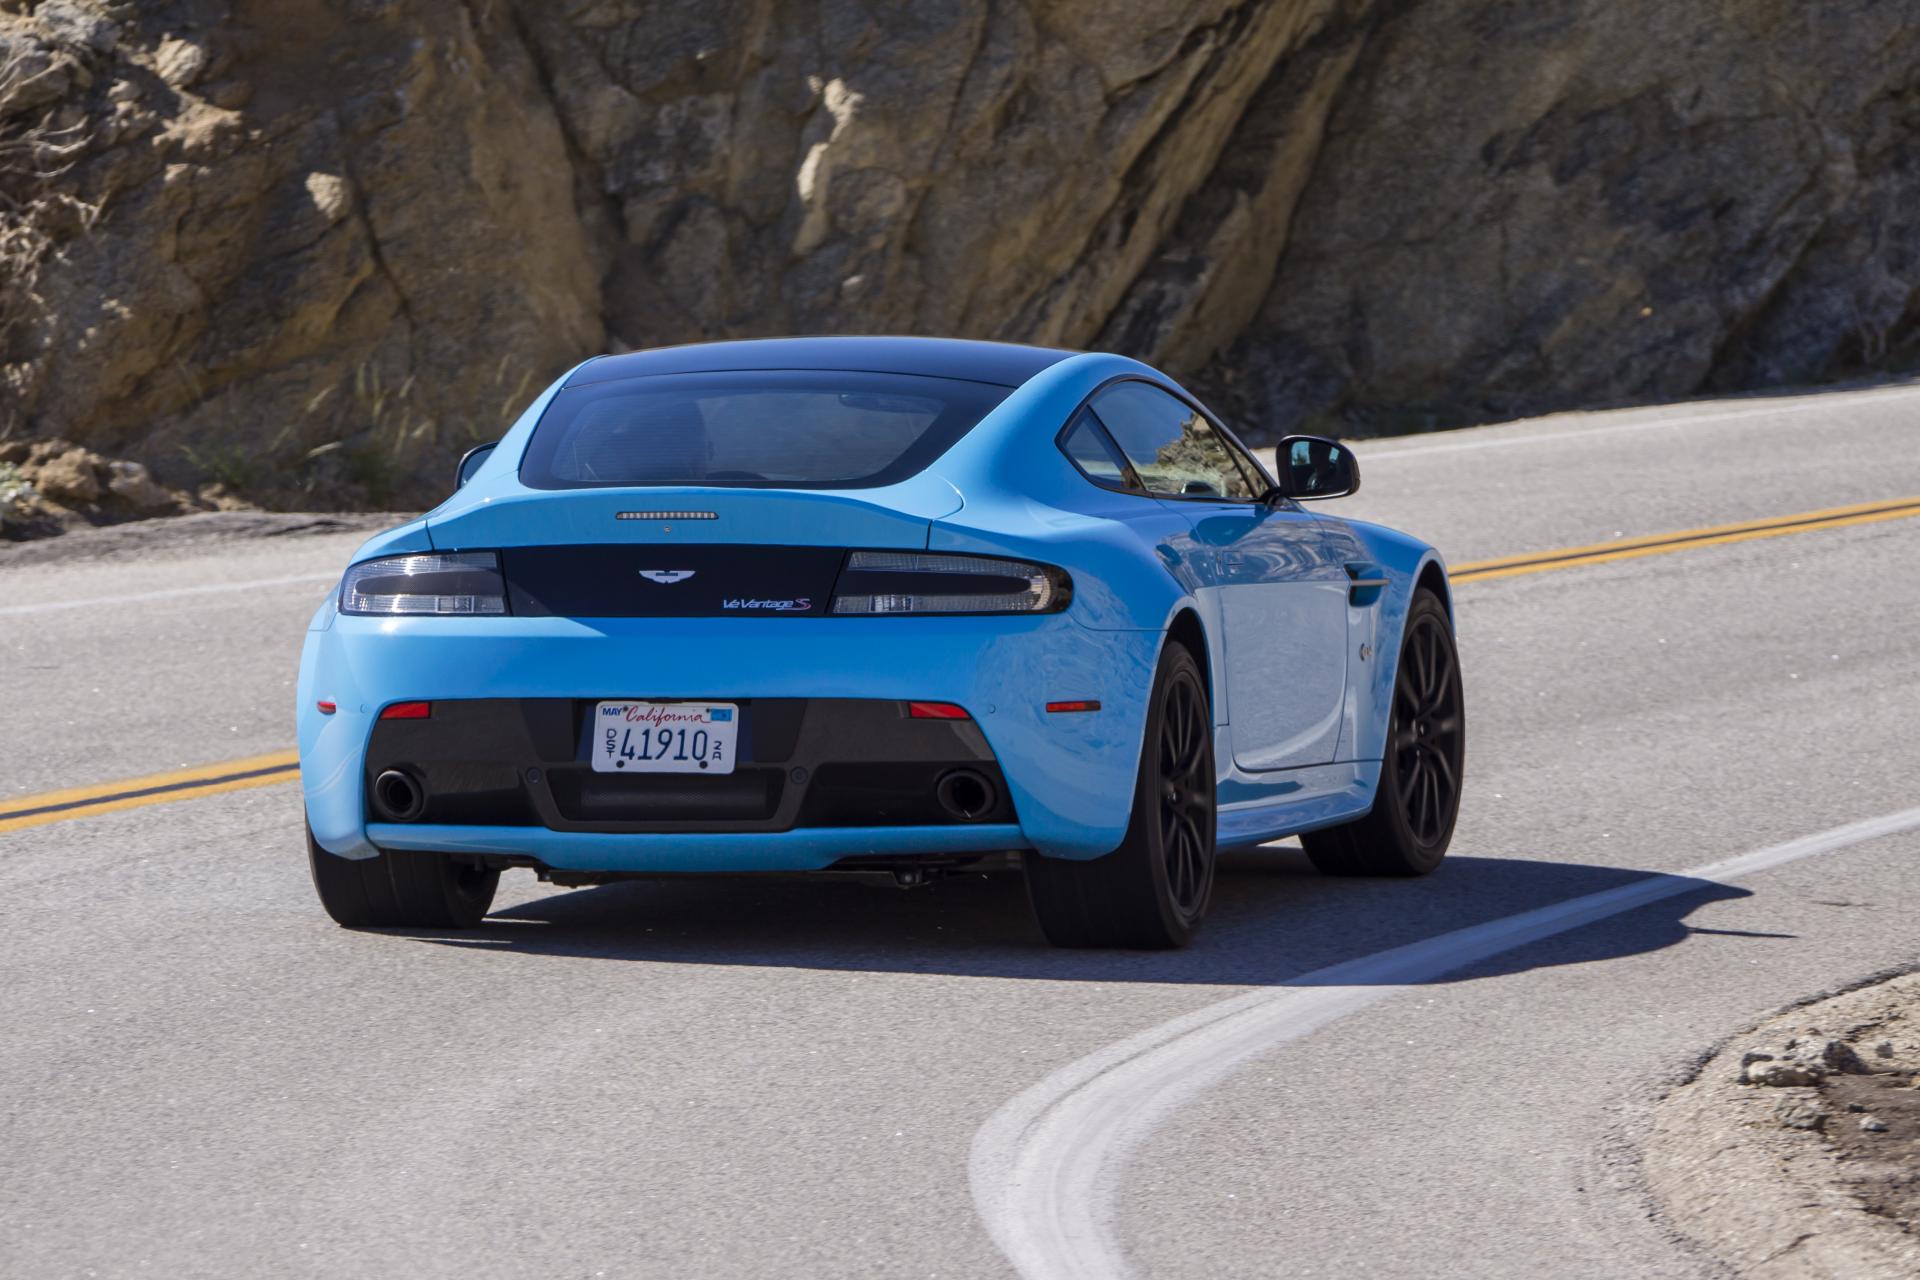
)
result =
(398, 796)
(967, 794)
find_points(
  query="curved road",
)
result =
(773, 1078)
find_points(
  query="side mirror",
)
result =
(1313, 467)
(470, 462)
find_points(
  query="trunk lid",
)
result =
(683, 551)
(506, 514)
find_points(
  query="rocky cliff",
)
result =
(306, 250)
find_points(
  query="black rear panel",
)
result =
(803, 762)
(625, 581)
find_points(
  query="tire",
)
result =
(1152, 892)
(1418, 800)
(400, 889)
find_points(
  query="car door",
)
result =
(1273, 587)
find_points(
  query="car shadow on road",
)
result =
(1274, 921)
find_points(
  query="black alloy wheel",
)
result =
(1418, 799)
(1186, 796)
(1429, 730)
(1152, 892)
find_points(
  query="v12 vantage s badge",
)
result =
(800, 604)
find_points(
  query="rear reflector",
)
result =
(936, 711)
(1083, 704)
(326, 708)
(408, 711)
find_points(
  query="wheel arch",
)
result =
(1434, 578)
(1431, 575)
(1186, 627)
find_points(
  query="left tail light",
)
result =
(457, 583)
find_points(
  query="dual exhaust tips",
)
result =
(965, 794)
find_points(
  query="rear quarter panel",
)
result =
(1369, 703)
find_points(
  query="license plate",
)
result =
(665, 737)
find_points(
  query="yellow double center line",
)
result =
(261, 771)
(159, 788)
(1685, 540)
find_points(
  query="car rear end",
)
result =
(609, 655)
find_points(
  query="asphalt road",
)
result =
(203, 1076)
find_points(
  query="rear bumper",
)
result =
(797, 762)
(806, 849)
(1068, 777)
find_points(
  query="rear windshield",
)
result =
(818, 429)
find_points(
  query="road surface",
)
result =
(204, 1077)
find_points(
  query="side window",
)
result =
(1086, 443)
(1257, 474)
(1172, 447)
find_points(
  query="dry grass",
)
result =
(398, 451)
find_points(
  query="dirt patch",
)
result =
(1795, 1150)
(1876, 1131)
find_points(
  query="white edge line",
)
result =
(171, 593)
(1045, 1168)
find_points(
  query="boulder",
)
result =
(1826, 1054)
(1800, 1113)
(130, 482)
(1779, 1073)
(69, 476)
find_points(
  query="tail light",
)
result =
(926, 582)
(462, 583)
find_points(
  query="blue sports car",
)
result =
(882, 604)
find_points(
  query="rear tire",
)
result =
(1418, 800)
(1152, 892)
(400, 889)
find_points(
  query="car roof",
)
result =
(1005, 363)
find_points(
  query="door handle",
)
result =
(1365, 581)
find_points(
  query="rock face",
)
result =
(310, 249)
(307, 246)
(1537, 204)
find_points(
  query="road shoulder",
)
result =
(1794, 1151)
(189, 535)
